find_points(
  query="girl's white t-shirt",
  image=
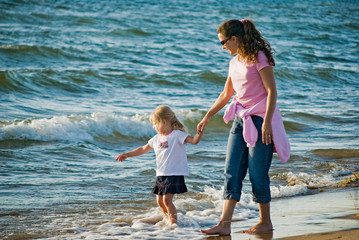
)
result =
(170, 150)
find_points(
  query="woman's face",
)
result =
(230, 44)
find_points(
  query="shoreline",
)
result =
(350, 234)
(326, 215)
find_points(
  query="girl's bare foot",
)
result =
(170, 219)
(222, 228)
(173, 221)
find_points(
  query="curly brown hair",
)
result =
(250, 40)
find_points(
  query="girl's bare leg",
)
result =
(224, 225)
(161, 203)
(265, 223)
(171, 209)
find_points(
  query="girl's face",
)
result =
(161, 127)
(230, 44)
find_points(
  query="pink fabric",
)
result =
(246, 79)
(250, 134)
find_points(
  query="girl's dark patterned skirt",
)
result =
(169, 184)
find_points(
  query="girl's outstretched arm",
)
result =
(195, 139)
(136, 152)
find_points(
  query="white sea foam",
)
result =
(195, 212)
(302, 183)
(84, 127)
(288, 191)
(76, 127)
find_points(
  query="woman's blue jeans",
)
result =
(240, 158)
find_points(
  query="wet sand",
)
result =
(346, 234)
(327, 215)
(342, 235)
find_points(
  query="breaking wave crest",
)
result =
(81, 127)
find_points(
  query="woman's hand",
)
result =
(202, 125)
(267, 133)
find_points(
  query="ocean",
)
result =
(79, 79)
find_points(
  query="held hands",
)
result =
(202, 125)
(121, 157)
(200, 133)
(195, 139)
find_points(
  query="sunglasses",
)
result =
(224, 41)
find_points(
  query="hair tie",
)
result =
(242, 21)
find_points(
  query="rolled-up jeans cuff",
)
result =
(235, 196)
(262, 199)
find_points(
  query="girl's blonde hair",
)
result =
(164, 113)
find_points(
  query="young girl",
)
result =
(170, 148)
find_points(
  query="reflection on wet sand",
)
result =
(228, 237)
(259, 236)
(263, 235)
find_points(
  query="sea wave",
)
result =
(76, 127)
(90, 80)
(82, 127)
(40, 80)
(91, 127)
(40, 51)
(338, 176)
(129, 32)
(337, 153)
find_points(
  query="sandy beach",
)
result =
(346, 234)
(343, 235)
(327, 215)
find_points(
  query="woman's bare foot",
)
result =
(260, 227)
(222, 228)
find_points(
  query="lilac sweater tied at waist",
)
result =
(250, 133)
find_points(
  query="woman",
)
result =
(257, 129)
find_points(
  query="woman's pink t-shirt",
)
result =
(251, 99)
(246, 80)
